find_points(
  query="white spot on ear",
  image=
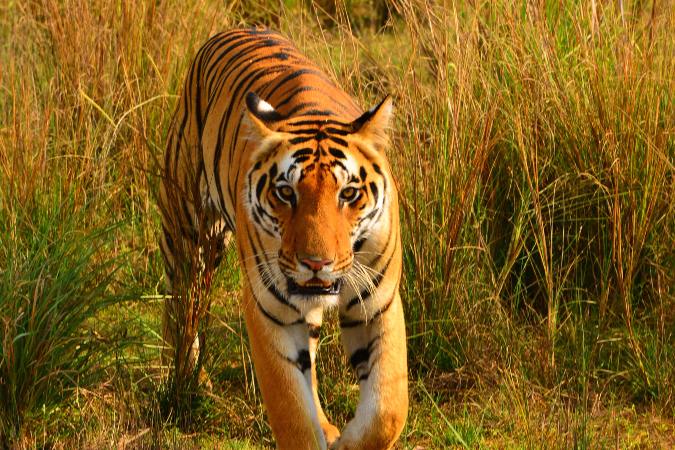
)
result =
(263, 106)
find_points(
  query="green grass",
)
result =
(52, 290)
(534, 149)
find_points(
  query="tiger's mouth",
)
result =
(314, 287)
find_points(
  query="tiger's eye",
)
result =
(348, 194)
(286, 193)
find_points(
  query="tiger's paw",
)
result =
(331, 433)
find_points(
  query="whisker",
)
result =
(368, 269)
(362, 252)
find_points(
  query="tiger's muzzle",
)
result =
(311, 276)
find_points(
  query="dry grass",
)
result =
(535, 152)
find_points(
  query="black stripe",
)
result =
(351, 323)
(359, 244)
(181, 128)
(370, 215)
(188, 217)
(292, 95)
(198, 98)
(234, 63)
(170, 146)
(275, 87)
(206, 53)
(303, 360)
(359, 356)
(261, 185)
(344, 323)
(231, 152)
(314, 330)
(338, 140)
(272, 318)
(338, 163)
(312, 131)
(362, 354)
(303, 152)
(316, 122)
(300, 107)
(263, 213)
(337, 153)
(364, 376)
(364, 154)
(319, 112)
(337, 131)
(233, 198)
(281, 55)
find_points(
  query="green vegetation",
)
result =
(51, 288)
(535, 153)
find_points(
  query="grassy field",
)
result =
(534, 149)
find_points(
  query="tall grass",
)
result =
(534, 154)
(543, 190)
(51, 289)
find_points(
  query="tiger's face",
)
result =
(315, 192)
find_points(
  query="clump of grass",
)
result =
(53, 285)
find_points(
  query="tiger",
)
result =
(286, 164)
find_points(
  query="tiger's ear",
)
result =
(261, 120)
(262, 116)
(372, 126)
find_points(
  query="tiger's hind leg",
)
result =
(192, 245)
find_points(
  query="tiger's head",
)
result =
(317, 191)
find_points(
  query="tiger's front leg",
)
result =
(283, 365)
(375, 342)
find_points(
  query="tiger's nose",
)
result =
(314, 263)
